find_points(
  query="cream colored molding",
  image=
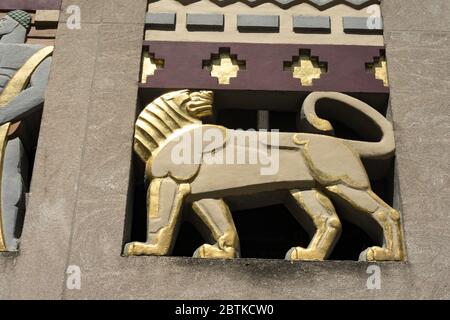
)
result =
(285, 35)
(46, 16)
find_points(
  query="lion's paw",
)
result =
(302, 254)
(213, 252)
(142, 249)
(377, 254)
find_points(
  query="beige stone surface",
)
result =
(108, 137)
(89, 185)
(286, 34)
(91, 10)
(416, 15)
(106, 11)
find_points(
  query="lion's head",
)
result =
(197, 104)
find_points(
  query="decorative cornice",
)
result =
(285, 4)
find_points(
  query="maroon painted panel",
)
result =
(264, 67)
(30, 4)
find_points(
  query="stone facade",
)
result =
(80, 194)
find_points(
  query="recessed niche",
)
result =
(378, 67)
(268, 231)
(306, 68)
(149, 65)
(223, 66)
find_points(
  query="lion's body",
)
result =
(216, 174)
(191, 162)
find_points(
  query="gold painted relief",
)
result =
(331, 170)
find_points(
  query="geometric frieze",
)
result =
(293, 22)
(271, 67)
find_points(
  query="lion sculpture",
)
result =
(313, 168)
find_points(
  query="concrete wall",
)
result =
(77, 207)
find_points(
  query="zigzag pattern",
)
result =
(285, 4)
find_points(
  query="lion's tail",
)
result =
(359, 116)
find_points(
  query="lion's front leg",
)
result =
(164, 203)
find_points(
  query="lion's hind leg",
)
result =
(388, 219)
(321, 222)
(213, 218)
(164, 203)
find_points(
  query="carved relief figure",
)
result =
(314, 168)
(24, 71)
